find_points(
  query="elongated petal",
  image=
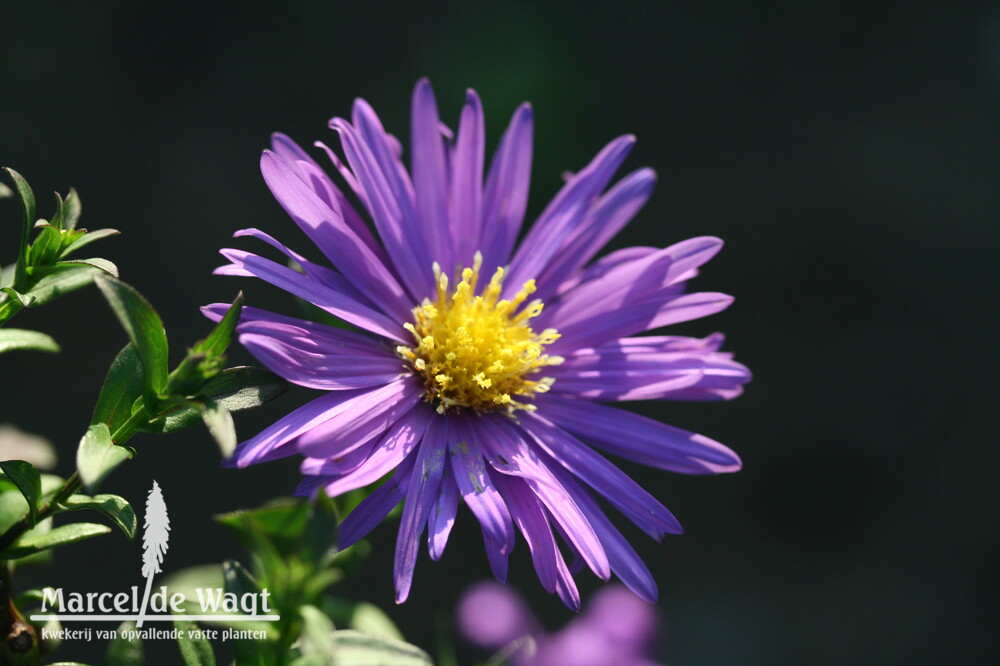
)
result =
(321, 295)
(638, 438)
(625, 371)
(630, 282)
(625, 562)
(311, 354)
(605, 264)
(530, 519)
(276, 441)
(425, 480)
(562, 216)
(341, 245)
(373, 509)
(477, 489)
(465, 200)
(605, 218)
(506, 195)
(360, 419)
(621, 491)
(430, 178)
(507, 450)
(389, 200)
(442, 517)
(635, 317)
(315, 177)
(385, 454)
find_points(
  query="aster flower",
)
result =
(481, 363)
(615, 628)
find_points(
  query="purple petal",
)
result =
(625, 562)
(321, 295)
(275, 441)
(373, 509)
(605, 264)
(561, 217)
(508, 451)
(506, 195)
(387, 454)
(420, 499)
(390, 200)
(442, 517)
(603, 221)
(477, 488)
(530, 519)
(340, 244)
(638, 438)
(344, 464)
(430, 177)
(313, 175)
(465, 201)
(311, 354)
(623, 370)
(630, 282)
(635, 317)
(360, 419)
(621, 491)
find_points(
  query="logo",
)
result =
(159, 605)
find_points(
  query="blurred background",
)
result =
(848, 153)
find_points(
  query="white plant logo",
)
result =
(155, 535)
(215, 604)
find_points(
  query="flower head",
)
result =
(616, 628)
(481, 363)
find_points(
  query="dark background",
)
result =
(847, 152)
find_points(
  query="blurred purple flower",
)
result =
(466, 388)
(615, 629)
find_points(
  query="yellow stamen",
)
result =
(477, 352)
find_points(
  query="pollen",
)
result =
(477, 351)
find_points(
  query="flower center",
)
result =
(478, 352)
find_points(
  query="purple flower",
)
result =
(616, 628)
(462, 385)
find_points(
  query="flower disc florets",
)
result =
(477, 351)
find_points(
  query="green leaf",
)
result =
(45, 248)
(97, 455)
(145, 330)
(282, 522)
(70, 210)
(220, 424)
(28, 481)
(59, 536)
(356, 649)
(50, 282)
(86, 239)
(370, 619)
(12, 339)
(205, 360)
(27, 198)
(321, 533)
(114, 507)
(221, 336)
(316, 641)
(95, 262)
(122, 385)
(244, 387)
(123, 652)
(238, 580)
(195, 648)
(234, 389)
(24, 299)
